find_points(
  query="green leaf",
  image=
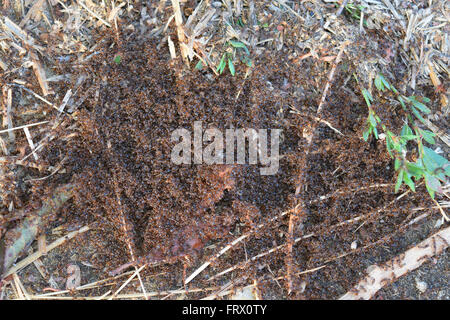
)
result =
(406, 130)
(378, 83)
(419, 105)
(238, 44)
(399, 180)
(231, 67)
(417, 114)
(415, 170)
(408, 181)
(425, 99)
(375, 132)
(199, 65)
(393, 89)
(433, 183)
(381, 83)
(402, 102)
(247, 61)
(397, 163)
(367, 133)
(409, 137)
(430, 156)
(428, 136)
(385, 82)
(222, 64)
(367, 96)
(389, 145)
(430, 191)
(117, 59)
(372, 120)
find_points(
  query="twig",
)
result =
(284, 4)
(126, 296)
(127, 282)
(24, 126)
(331, 76)
(410, 260)
(34, 94)
(180, 31)
(30, 142)
(31, 258)
(295, 213)
(93, 13)
(341, 8)
(296, 111)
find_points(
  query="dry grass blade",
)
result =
(136, 273)
(81, 3)
(24, 126)
(220, 253)
(331, 77)
(31, 258)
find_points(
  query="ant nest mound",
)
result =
(146, 208)
(121, 159)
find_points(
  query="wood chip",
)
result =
(173, 54)
(74, 278)
(180, 30)
(30, 142)
(34, 13)
(40, 74)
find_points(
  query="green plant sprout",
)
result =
(227, 58)
(430, 166)
(117, 59)
(353, 10)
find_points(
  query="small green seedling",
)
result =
(199, 65)
(429, 165)
(353, 10)
(234, 47)
(117, 59)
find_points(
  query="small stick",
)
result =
(331, 76)
(31, 258)
(8, 119)
(341, 8)
(127, 282)
(93, 13)
(294, 110)
(294, 216)
(180, 31)
(124, 221)
(24, 126)
(279, 216)
(379, 276)
(30, 142)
